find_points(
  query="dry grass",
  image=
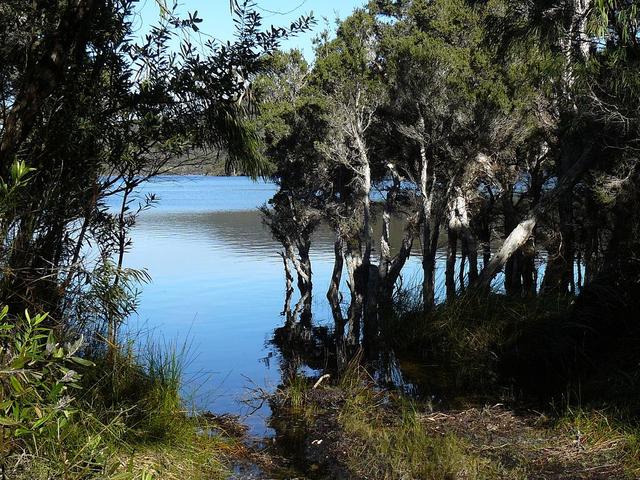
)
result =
(400, 441)
(390, 438)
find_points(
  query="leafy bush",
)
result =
(36, 378)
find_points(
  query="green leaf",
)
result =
(17, 386)
(55, 392)
(18, 363)
(40, 318)
(83, 361)
(8, 422)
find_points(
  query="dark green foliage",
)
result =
(38, 382)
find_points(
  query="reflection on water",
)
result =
(218, 279)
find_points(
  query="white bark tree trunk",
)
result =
(519, 236)
(427, 185)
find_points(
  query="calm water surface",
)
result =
(218, 282)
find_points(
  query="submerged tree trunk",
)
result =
(385, 289)
(470, 248)
(513, 265)
(286, 310)
(357, 274)
(302, 265)
(287, 273)
(427, 190)
(388, 280)
(461, 269)
(460, 229)
(357, 251)
(333, 294)
(483, 227)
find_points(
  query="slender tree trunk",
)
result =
(560, 267)
(486, 254)
(334, 296)
(460, 229)
(112, 315)
(513, 274)
(568, 244)
(428, 255)
(513, 266)
(366, 227)
(287, 273)
(529, 272)
(450, 273)
(461, 270)
(390, 267)
(358, 248)
(470, 250)
(385, 247)
(357, 288)
(286, 310)
(387, 285)
(579, 270)
(365, 270)
(429, 266)
(302, 265)
(483, 227)
(305, 285)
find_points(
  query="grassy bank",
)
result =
(350, 429)
(71, 414)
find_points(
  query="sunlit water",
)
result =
(218, 283)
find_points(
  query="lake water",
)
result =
(218, 283)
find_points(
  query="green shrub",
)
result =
(37, 381)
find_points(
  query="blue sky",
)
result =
(217, 19)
